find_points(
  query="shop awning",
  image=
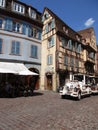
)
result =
(27, 72)
(15, 68)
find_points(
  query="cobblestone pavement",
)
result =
(47, 111)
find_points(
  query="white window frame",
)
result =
(18, 8)
(2, 3)
(51, 42)
(33, 14)
(16, 27)
(49, 59)
(15, 46)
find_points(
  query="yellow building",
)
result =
(62, 52)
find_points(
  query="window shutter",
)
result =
(29, 31)
(52, 24)
(76, 46)
(0, 45)
(39, 34)
(43, 18)
(46, 29)
(24, 29)
(63, 42)
(46, 15)
(17, 47)
(52, 41)
(13, 47)
(70, 44)
(8, 24)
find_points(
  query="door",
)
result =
(49, 82)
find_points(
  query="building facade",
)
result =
(90, 49)
(20, 34)
(62, 52)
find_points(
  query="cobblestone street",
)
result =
(47, 111)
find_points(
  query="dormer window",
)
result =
(65, 30)
(18, 8)
(33, 14)
(77, 37)
(2, 3)
(46, 15)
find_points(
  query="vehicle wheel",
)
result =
(79, 96)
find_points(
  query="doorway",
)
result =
(49, 82)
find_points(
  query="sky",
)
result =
(78, 14)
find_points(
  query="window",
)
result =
(16, 27)
(50, 26)
(77, 63)
(79, 48)
(51, 41)
(24, 28)
(65, 60)
(34, 51)
(0, 46)
(92, 55)
(15, 48)
(1, 22)
(2, 3)
(71, 61)
(33, 14)
(46, 15)
(39, 34)
(8, 24)
(64, 42)
(18, 8)
(70, 45)
(49, 59)
(34, 32)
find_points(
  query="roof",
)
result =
(60, 24)
(86, 32)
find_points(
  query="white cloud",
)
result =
(89, 22)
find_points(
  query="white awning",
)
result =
(27, 72)
(15, 68)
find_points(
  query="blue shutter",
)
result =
(46, 15)
(24, 29)
(79, 48)
(29, 31)
(63, 42)
(43, 18)
(0, 45)
(39, 34)
(66, 60)
(46, 28)
(8, 24)
(34, 51)
(17, 47)
(52, 24)
(52, 41)
(76, 46)
(13, 47)
(70, 44)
